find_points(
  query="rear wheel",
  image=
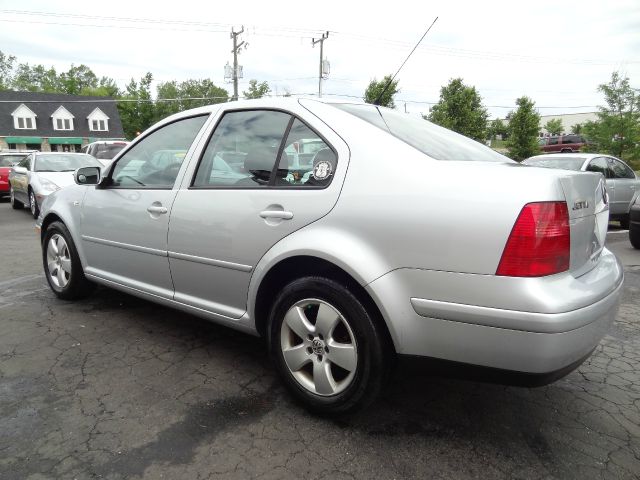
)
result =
(634, 236)
(62, 265)
(624, 221)
(33, 204)
(15, 204)
(326, 346)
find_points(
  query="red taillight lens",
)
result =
(539, 243)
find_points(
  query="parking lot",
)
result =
(115, 387)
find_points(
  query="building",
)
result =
(568, 121)
(55, 122)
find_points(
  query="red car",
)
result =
(7, 160)
(562, 143)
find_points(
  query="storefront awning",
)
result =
(65, 141)
(23, 139)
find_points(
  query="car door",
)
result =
(223, 222)
(625, 185)
(20, 179)
(125, 219)
(601, 165)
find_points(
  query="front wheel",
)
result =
(624, 222)
(15, 204)
(326, 346)
(62, 265)
(634, 237)
(33, 204)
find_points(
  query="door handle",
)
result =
(156, 209)
(281, 214)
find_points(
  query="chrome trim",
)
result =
(513, 319)
(127, 246)
(211, 261)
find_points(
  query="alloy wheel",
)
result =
(32, 203)
(319, 347)
(58, 261)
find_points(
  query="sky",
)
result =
(556, 53)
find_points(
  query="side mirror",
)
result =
(87, 176)
(20, 170)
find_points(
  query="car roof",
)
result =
(587, 156)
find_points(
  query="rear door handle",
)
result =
(281, 214)
(156, 209)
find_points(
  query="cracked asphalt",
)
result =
(118, 388)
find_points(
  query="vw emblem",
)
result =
(317, 346)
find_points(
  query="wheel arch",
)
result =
(297, 266)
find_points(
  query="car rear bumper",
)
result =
(531, 325)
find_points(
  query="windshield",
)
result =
(550, 161)
(437, 142)
(55, 162)
(8, 160)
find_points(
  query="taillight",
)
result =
(539, 243)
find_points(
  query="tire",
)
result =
(15, 204)
(624, 222)
(62, 265)
(337, 367)
(33, 204)
(634, 237)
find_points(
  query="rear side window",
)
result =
(432, 140)
(620, 170)
(242, 151)
(553, 141)
(599, 165)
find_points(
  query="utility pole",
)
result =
(236, 49)
(313, 44)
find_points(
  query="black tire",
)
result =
(624, 222)
(15, 204)
(634, 237)
(33, 204)
(76, 286)
(373, 359)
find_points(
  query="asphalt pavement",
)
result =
(118, 388)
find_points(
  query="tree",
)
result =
(554, 126)
(204, 89)
(137, 111)
(460, 109)
(7, 64)
(256, 90)
(77, 78)
(617, 130)
(375, 88)
(497, 127)
(576, 129)
(524, 126)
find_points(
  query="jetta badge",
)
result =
(580, 204)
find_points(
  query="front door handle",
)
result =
(156, 209)
(281, 214)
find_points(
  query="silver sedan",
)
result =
(394, 238)
(40, 174)
(623, 185)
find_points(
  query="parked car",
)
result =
(40, 174)
(370, 257)
(634, 224)
(104, 150)
(623, 185)
(562, 143)
(7, 160)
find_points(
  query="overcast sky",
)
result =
(554, 52)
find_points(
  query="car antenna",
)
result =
(377, 102)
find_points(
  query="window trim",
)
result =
(271, 185)
(108, 179)
(24, 119)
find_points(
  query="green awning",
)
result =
(65, 140)
(23, 139)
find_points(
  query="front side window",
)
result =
(553, 141)
(243, 149)
(154, 162)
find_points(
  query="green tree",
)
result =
(107, 87)
(617, 130)
(36, 79)
(7, 65)
(189, 89)
(77, 78)
(498, 127)
(256, 90)
(576, 129)
(376, 87)
(460, 109)
(554, 126)
(524, 126)
(137, 111)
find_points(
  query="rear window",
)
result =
(562, 163)
(433, 140)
